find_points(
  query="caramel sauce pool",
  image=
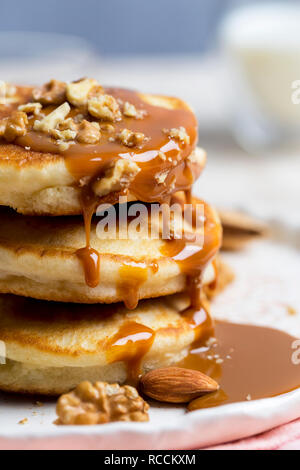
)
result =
(248, 362)
(257, 363)
(193, 258)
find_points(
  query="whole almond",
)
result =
(176, 385)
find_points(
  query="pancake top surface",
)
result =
(63, 236)
(156, 134)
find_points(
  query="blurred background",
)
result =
(237, 62)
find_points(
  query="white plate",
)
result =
(266, 287)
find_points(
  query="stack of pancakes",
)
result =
(79, 303)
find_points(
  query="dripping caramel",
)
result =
(193, 258)
(133, 275)
(130, 344)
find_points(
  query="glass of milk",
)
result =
(262, 43)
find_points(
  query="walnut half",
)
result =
(101, 403)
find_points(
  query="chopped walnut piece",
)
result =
(105, 127)
(78, 92)
(7, 93)
(78, 118)
(31, 108)
(117, 177)
(96, 91)
(53, 119)
(104, 107)
(53, 92)
(64, 136)
(101, 403)
(179, 134)
(68, 125)
(161, 177)
(130, 110)
(15, 126)
(65, 133)
(130, 138)
(89, 132)
(63, 145)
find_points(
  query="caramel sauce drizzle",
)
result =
(192, 258)
(133, 275)
(89, 257)
(214, 285)
(130, 345)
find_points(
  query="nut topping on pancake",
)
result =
(88, 132)
(117, 177)
(31, 108)
(179, 134)
(104, 107)
(131, 139)
(13, 126)
(53, 92)
(78, 92)
(53, 119)
(8, 93)
(101, 403)
(130, 110)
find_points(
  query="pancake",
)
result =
(39, 176)
(51, 347)
(40, 184)
(39, 259)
